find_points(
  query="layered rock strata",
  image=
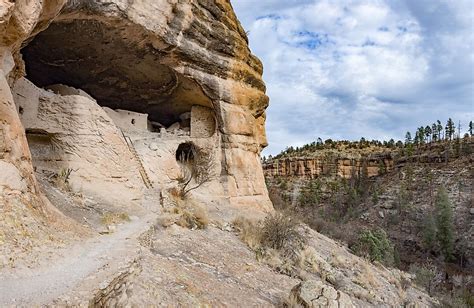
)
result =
(340, 165)
(155, 57)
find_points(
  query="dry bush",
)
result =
(280, 232)
(114, 218)
(196, 169)
(366, 277)
(61, 179)
(275, 240)
(249, 231)
(194, 218)
(308, 260)
(185, 214)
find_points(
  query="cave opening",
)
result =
(185, 152)
(116, 67)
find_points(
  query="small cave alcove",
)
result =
(186, 152)
(114, 64)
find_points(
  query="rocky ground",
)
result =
(398, 201)
(143, 261)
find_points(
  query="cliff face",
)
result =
(344, 166)
(158, 58)
(346, 163)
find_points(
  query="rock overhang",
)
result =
(119, 72)
(201, 55)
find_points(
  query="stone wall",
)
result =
(128, 120)
(74, 132)
(203, 122)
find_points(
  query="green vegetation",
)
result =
(375, 246)
(423, 135)
(429, 232)
(444, 223)
(311, 193)
(425, 275)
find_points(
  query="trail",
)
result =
(97, 256)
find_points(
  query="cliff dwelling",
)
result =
(109, 98)
(100, 59)
(100, 81)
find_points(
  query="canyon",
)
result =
(100, 101)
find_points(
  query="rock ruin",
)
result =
(109, 90)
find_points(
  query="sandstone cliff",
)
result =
(329, 164)
(99, 101)
(156, 58)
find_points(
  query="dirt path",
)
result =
(97, 256)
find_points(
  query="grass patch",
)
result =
(276, 240)
(186, 214)
(114, 218)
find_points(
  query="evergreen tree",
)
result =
(421, 135)
(444, 224)
(429, 232)
(471, 128)
(408, 138)
(434, 131)
(428, 133)
(449, 129)
(439, 129)
(416, 141)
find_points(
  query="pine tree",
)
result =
(428, 133)
(471, 128)
(434, 130)
(429, 232)
(449, 129)
(444, 224)
(421, 133)
(408, 138)
(439, 129)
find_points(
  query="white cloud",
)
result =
(343, 69)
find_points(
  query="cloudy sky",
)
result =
(344, 69)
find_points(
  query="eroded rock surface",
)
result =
(187, 66)
(159, 58)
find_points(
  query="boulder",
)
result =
(315, 293)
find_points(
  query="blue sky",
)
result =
(373, 68)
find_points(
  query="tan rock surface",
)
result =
(188, 66)
(340, 164)
(161, 58)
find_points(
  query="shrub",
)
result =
(192, 218)
(310, 194)
(185, 214)
(280, 232)
(196, 169)
(375, 245)
(275, 240)
(444, 223)
(425, 275)
(114, 218)
(249, 231)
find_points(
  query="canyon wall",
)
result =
(341, 165)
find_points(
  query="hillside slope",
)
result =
(344, 193)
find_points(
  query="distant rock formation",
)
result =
(341, 165)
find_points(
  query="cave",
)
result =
(185, 152)
(119, 68)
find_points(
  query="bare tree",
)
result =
(196, 169)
